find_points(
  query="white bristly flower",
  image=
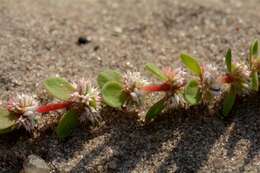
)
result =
(180, 74)
(88, 97)
(24, 106)
(175, 101)
(210, 85)
(133, 81)
(177, 76)
(241, 75)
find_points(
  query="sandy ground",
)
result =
(38, 39)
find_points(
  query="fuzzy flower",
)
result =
(24, 106)
(133, 83)
(239, 78)
(134, 79)
(175, 77)
(88, 99)
(175, 101)
(210, 86)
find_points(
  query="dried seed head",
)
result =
(24, 106)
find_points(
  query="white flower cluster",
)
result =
(241, 77)
(133, 81)
(210, 83)
(24, 107)
(89, 97)
(177, 76)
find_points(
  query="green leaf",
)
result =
(156, 109)
(68, 122)
(7, 121)
(228, 60)
(254, 49)
(108, 75)
(255, 81)
(192, 92)
(156, 71)
(229, 101)
(191, 63)
(113, 94)
(59, 88)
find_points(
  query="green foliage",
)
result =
(229, 101)
(156, 72)
(192, 64)
(113, 94)
(7, 121)
(255, 81)
(67, 123)
(254, 49)
(228, 60)
(192, 92)
(59, 88)
(108, 75)
(156, 109)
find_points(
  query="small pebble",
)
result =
(83, 40)
(35, 164)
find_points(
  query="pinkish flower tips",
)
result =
(175, 77)
(87, 99)
(24, 107)
(239, 78)
(133, 83)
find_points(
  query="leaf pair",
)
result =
(158, 107)
(192, 91)
(112, 89)
(62, 89)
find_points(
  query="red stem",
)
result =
(157, 88)
(227, 79)
(53, 107)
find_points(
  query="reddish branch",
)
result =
(157, 88)
(53, 107)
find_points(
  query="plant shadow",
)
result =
(178, 141)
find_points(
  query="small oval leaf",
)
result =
(156, 72)
(7, 121)
(59, 88)
(67, 123)
(113, 94)
(108, 75)
(191, 63)
(155, 110)
(192, 93)
(228, 60)
(228, 103)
